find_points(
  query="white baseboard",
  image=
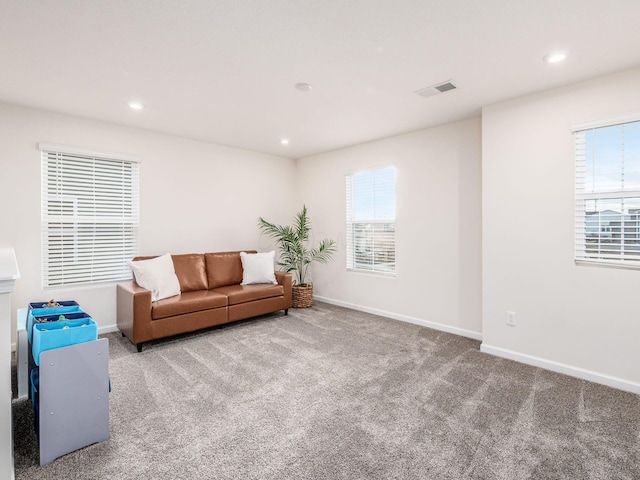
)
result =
(404, 318)
(581, 373)
(108, 329)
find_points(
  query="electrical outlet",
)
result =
(511, 318)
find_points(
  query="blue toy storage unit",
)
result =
(68, 377)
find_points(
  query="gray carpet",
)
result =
(331, 393)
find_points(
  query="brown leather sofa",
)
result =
(211, 294)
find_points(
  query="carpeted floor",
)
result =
(331, 393)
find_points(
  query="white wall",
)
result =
(438, 226)
(195, 196)
(579, 319)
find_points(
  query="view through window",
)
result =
(371, 216)
(608, 194)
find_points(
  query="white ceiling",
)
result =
(224, 71)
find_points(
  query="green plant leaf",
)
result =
(295, 256)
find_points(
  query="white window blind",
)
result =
(371, 216)
(90, 216)
(607, 190)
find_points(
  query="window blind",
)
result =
(371, 215)
(607, 191)
(90, 217)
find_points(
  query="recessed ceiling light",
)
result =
(136, 105)
(555, 57)
(304, 87)
(284, 141)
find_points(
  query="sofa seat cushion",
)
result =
(248, 293)
(188, 302)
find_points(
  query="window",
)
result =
(371, 216)
(608, 192)
(89, 216)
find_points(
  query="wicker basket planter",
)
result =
(302, 295)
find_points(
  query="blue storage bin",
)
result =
(57, 318)
(50, 335)
(35, 400)
(40, 309)
(34, 385)
(60, 318)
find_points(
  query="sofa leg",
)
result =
(286, 311)
(121, 333)
(139, 347)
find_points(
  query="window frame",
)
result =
(87, 241)
(582, 197)
(351, 221)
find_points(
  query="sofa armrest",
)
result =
(286, 280)
(134, 312)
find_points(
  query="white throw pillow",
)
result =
(258, 268)
(157, 275)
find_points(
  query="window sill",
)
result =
(372, 273)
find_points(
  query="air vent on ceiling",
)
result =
(437, 88)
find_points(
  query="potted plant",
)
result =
(295, 254)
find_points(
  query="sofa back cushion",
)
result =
(224, 268)
(191, 271)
